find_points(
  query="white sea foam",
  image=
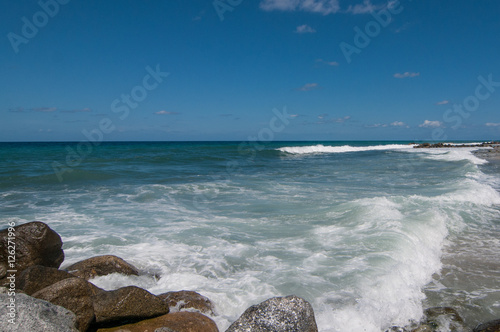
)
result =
(388, 292)
(453, 154)
(340, 149)
(328, 234)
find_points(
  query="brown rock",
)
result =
(127, 304)
(73, 294)
(188, 300)
(492, 326)
(101, 266)
(35, 244)
(177, 322)
(38, 277)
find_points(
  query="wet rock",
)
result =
(287, 314)
(127, 304)
(38, 277)
(73, 294)
(434, 320)
(182, 300)
(177, 322)
(35, 315)
(101, 266)
(439, 317)
(492, 326)
(35, 244)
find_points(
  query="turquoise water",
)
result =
(370, 233)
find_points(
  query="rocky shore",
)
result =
(38, 296)
(493, 144)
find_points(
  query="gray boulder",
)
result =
(279, 314)
(35, 315)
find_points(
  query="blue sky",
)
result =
(215, 70)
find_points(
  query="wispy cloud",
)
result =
(49, 110)
(430, 124)
(304, 29)
(490, 124)
(323, 7)
(403, 27)
(365, 8)
(385, 125)
(16, 109)
(309, 87)
(406, 75)
(324, 119)
(163, 112)
(377, 125)
(399, 124)
(328, 63)
(443, 102)
(83, 110)
(44, 109)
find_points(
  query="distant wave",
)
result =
(340, 149)
(454, 155)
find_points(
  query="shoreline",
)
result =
(489, 151)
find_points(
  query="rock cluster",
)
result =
(49, 299)
(449, 145)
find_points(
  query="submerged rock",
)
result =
(182, 300)
(279, 314)
(35, 315)
(35, 243)
(73, 294)
(101, 266)
(436, 319)
(492, 326)
(174, 322)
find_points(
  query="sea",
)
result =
(370, 233)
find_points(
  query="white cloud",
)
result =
(443, 102)
(399, 124)
(430, 124)
(45, 109)
(309, 86)
(324, 119)
(406, 75)
(377, 125)
(328, 63)
(304, 29)
(489, 124)
(324, 7)
(366, 8)
(165, 113)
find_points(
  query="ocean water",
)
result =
(370, 233)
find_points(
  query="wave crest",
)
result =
(311, 149)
